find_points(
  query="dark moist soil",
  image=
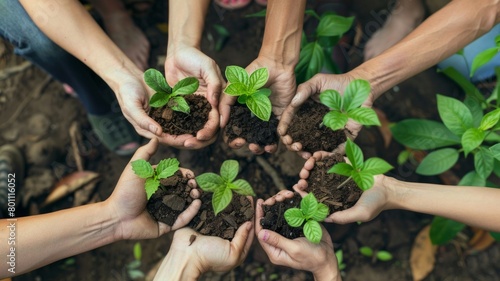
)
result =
(179, 123)
(305, 128)
(274, 218)
(324, 185)
(225, 224)
(171, 199)
(243, 125)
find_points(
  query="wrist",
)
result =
(178, 265)
(395, 192)
(327, 273)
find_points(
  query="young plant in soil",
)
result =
(375, 255)
(253, 101)
(176, 109)
(227, 211)
(308, 216)
(320, 128)
(167, 190)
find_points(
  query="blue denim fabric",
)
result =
(30, 42)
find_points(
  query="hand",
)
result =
(298, 253)
(185, 61)
(128, 202)
(370, 204)
(282, 84)
(311, 89)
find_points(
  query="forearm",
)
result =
(440, 36)
(186, 20)
(474, 206)
(283, 31)
(43, 239)
(177, 266)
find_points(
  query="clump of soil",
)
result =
(225, 224)
(171, 199)
(243, 125)
(274, 218)
(324, 185)
(179, 123)
(306, 128)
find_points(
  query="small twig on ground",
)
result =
(271, 172)
(74, 133)
(7, 72)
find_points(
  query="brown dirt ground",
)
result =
(27, 100)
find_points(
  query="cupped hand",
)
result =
(186, 61)
(128, 202)
(282, 84)
(370, 204)
(311, 89)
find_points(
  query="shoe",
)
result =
(12, 167)
(232, 4)
(115, 132)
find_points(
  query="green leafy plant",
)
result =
(133, 270)
(164, 169)
(485, 56)
(308, 215)
(375, 255)
(348, 106)
(224, 184)
(248, 89)
(340, 259)
(165, 95)
(359, 170)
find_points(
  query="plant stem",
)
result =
(344, 182)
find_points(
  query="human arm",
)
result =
(298, 253)
(188, 259)
(43, 239)
(279, 53)
(184, 58)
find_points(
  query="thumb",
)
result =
(144, 124)
(146, 151)
(272, 239)
(354, 214)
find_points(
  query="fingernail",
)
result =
(153, 129)
(265, 236)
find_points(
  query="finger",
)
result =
(186, 216)
(241, 238)
(214, 81)
(176, 141)
(287, 140)
(225, 103)
(282, 195)
(271, 148)
(259, 213)
(143, 124)
(296, 146)
(271, 239)
(211, 127)
(237, 143)
(187, 173)
(256, 149)
(305, 155)
(146, 151)
(300, 189)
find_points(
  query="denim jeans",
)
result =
(31, 43)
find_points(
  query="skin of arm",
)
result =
(43, 239)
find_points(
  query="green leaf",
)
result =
(403, 156)
(483, 162)
(209, 182)
(455, 115)
(221, 199)
(483, 58)
(236, 89)
(464, 83)
(321, 212)
(376, 166)
(313, 231)
(335, 120)
(332, 99)
(155, 80)
(363, 179)
(333, 25)
(179, 104)
(309, 205)
(443, 230)
(471, 139)
(311, 12)
(186, 86)
(242, 187)
(354, 154)
(438, 161)
(495, 235)
(356, 94)
(142, 168)
(342, 169)
(137, 251)
(364, 116)
(159, 99)
(476, 110)
(366, 251)
(384, 256)
(294, 217)
(496, 168)
(495, 151)
(243, 99)
(264, 91)
(490, 120)
(260, 105)
(472, 179)
(311, 60)
(167, 167)
(229, 170)
(423, 134)
(259, 14)
(258, 79)
(151, 186)
(236, 74)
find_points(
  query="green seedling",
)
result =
(348, 106)
(310, 213)
(133, 270)
(340, 259)
(224, 184)
(166, 168)
(362, 172)
(485, 56)
(165, 95)
(248, 89)
(375, 255)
